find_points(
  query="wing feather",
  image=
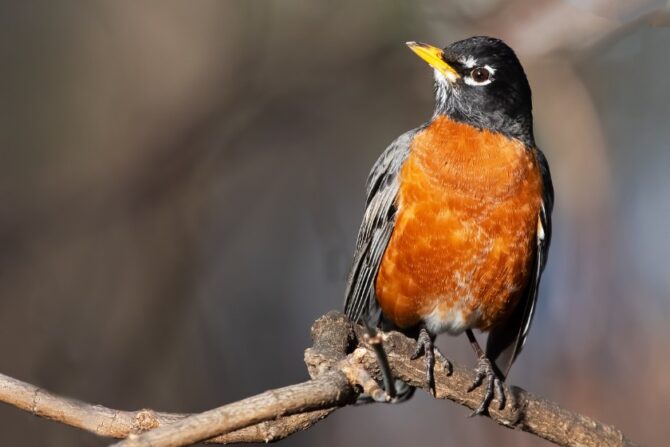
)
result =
(376, 228)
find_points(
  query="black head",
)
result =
(480, 81)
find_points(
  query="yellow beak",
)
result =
(433, 56)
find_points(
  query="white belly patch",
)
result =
(451, 320)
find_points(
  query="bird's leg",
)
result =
(485, 371)
(374, 339)
(425, 344)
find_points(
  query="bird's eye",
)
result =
(480, 75)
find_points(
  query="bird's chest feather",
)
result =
(460, 253)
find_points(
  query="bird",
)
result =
(457, 224)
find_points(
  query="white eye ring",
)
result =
(480, 76)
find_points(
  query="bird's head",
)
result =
(480, 81)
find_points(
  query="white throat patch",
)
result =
(443, 86)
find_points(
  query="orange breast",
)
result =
(460, 253)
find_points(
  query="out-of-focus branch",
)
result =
(341, 367)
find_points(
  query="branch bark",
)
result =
(112, 423)
(341, 366)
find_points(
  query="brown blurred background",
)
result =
(181, 184)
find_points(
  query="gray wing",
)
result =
(376, 228)
(506, 341)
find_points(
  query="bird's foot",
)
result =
(494, 386)
(425, 345)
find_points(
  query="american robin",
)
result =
(457, 226)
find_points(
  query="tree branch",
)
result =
(111, 423)
(341, 366)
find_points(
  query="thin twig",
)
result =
(111, 423)
(323, 392)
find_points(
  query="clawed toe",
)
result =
(494, 386)
(424, 345)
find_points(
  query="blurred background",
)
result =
(181, 184)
